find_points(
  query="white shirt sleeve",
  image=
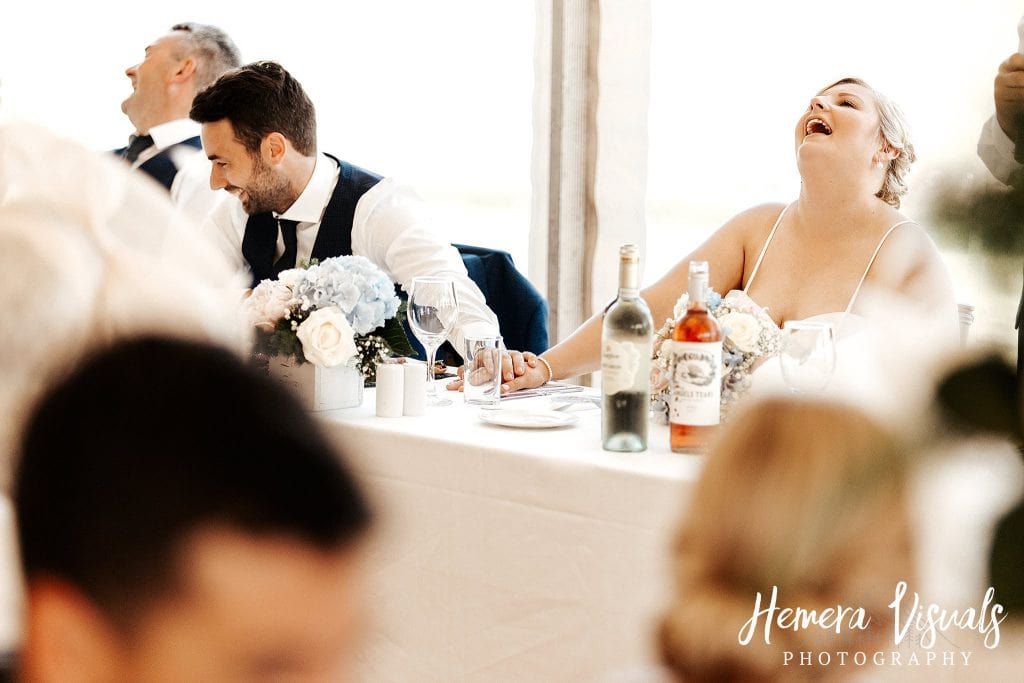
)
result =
(224, 228)
(996, 149)
(391, 227)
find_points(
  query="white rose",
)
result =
(292, 277)
(327, 338)
(743, 330)
(679, 310)
(267, 304)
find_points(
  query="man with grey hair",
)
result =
(176, 66)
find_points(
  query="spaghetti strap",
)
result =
(764, 249)
(856, 292)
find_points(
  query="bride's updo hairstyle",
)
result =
(896, 133)
(806, 497)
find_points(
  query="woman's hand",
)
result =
(518, 371)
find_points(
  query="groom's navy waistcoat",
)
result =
(333, 237)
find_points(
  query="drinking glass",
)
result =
(807, 356)
(482, 373)
(432, 312)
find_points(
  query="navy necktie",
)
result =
(136, 146)
(291, 246)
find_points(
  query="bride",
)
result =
(812, 257)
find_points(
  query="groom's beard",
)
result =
(266, 191)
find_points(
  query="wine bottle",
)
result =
(626, 361)
(695, 383)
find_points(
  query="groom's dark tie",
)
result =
(291, 246)
(136, 146)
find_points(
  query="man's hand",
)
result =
(1009, 95)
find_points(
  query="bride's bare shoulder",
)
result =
(755, 222)
(758, 216)
(910, 262)
(910, 244)
(751, 227)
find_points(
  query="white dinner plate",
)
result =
(528, 419)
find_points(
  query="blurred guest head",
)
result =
(176, 66)
(182, 518)
(259, 130)
(806, 497)
(81, 268)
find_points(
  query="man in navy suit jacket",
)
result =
(176, 67)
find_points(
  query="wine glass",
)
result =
(432, 311)
(807, 355)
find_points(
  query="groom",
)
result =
(295, 203)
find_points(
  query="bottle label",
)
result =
(620, 362)
(695, 385)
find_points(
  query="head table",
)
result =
(506, 554)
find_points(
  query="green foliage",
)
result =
(994, 216)
(394, 336)
(281, 342)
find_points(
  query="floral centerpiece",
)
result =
(749, 336)
(328, 314)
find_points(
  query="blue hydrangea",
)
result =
(731, 358)
(363, 292)
(714, 299)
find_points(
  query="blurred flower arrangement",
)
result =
(329, 313)
(749, 336)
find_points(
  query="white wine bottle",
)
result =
(626, 361)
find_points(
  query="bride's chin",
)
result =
(814, 160)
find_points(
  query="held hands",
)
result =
(1009, 95)
(519, 370)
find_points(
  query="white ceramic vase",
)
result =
(320, 388)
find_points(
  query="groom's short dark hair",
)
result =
(259, 99)
(152, 440)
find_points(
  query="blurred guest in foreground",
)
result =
(176, 66)
(81, 269)
(806, 498)
(166, 538)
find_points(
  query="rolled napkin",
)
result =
(415, 389)
(390, 390)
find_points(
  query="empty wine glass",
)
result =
(807, 355)
(432, 311)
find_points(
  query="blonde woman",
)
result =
(812, 257)
(803, 501)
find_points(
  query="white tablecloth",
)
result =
(511, 554)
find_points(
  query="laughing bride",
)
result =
(812, 258)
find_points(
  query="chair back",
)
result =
(522, 311)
